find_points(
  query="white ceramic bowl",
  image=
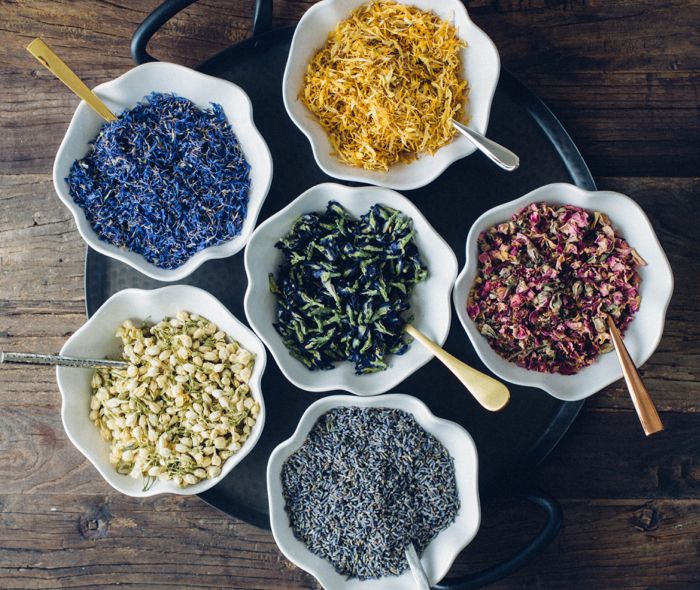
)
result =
(430, 302)
(644, 332)
(124, 93)
(96, 339)
(442, 550)
(481, 70)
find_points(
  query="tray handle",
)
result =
(550, 529)
(262, 22)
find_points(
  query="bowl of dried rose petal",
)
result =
(542, 275)
(187, 408)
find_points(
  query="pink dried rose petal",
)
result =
(547, 281)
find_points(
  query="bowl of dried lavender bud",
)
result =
(179, 178)
(187, 409)
(543, 273)
(334, 277)
(360, 479)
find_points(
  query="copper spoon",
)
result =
(490, 393)
(646, 410)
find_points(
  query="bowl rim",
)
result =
(339, 171)
(469, 495)
(282, 357)
(534, 378)
(139, 263)
(255, 382)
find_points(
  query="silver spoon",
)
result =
(417, 570)
(494, 151)
(28, 358)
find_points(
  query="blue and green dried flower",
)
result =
(344, 286)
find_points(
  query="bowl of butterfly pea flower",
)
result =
(361, 479)
(188, 406)
(334, 278)
(177, 179)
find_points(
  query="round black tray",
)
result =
(510, 442)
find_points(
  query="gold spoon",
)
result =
(490, 393)
(58, 68)
(646, 410)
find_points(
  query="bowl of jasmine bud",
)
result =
(177, 179)
(186, 410)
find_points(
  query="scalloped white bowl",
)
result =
(124, 93)
(442, 550)
(430, 302)
(481, 69)
(96, 339)
(643, 333)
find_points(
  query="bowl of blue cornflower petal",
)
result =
(179, 178)
(361, 479)
(333, 279)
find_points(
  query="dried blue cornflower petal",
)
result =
(165, 180)
(344, 285)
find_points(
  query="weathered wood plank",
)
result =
(39, 245)
(630, 544)
(108, 540)
(604, 456)
(622, 76)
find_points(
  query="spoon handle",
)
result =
(43, 53)
(417, 570)
(494, 151)
(490, 393)
(28, 358)
(646, 410)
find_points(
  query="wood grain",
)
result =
(622, 76)
(108, 540)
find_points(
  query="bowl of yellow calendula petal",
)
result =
(375, 87)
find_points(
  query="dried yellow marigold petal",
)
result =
(386, 85)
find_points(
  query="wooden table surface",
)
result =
(622, 75)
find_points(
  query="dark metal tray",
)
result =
(510, 442)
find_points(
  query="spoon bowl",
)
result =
(492, 150)
(489, 392)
